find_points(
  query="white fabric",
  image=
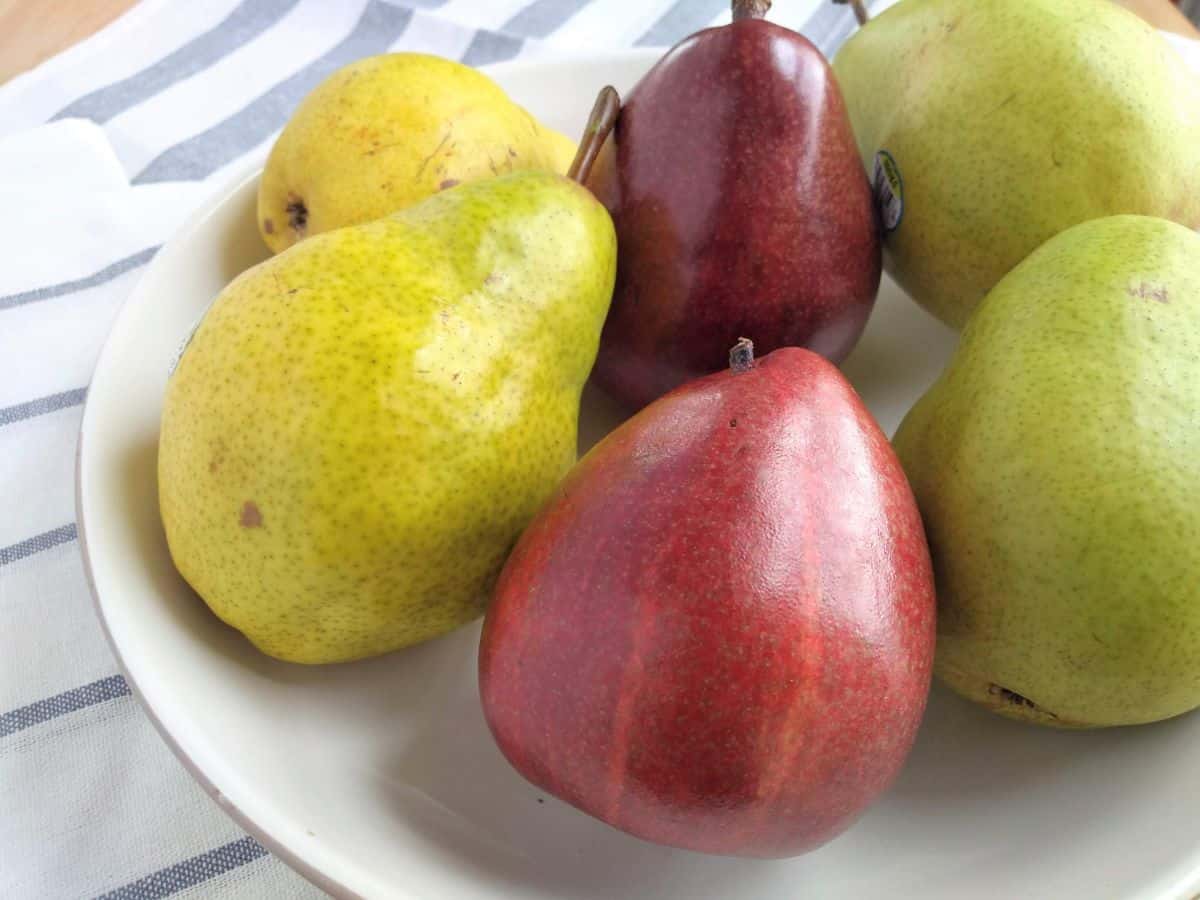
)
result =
(104, 150)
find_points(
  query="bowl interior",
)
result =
(380, 778)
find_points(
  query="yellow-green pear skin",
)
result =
(362, 426)
(1009, 121)
(388, 131)
(1056, 463)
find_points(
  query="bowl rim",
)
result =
(244, 820)
(221, 194)
(1179, 880)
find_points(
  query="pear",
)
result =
(718, 634)
(992, 125)
(361, 426)
(740, 208)
(1056, 463)
(387, 131)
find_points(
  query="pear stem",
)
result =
(860, 10)
(741, 356)
(601, 121)
(750, 9)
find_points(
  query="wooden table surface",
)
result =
(32, 30)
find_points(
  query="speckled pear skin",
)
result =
(362, 425)
(1012, 120)
(388, 131)
(1056, 463)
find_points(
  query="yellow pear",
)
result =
(362, 426)
(388, 131)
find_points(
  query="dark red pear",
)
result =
(718, 634)
(741, 207)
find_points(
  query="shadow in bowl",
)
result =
(139, 490)
(452, 787)
(238, 251)
(599, 414)
(967, 806)
(899, 355)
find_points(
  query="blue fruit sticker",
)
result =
(889, 191)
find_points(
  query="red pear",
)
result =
(741, 207)
(718, 634)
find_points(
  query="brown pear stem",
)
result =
(601, 121)
(750, 9)
(741, 356)
(860, 10)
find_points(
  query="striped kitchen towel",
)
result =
(104, 150)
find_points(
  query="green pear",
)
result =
(361, 426)
(388, 131)
(993, 125)
(1056, 463)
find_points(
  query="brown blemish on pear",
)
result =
(1155, 292)
(251, 517)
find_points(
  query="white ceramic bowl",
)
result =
(380, 779)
